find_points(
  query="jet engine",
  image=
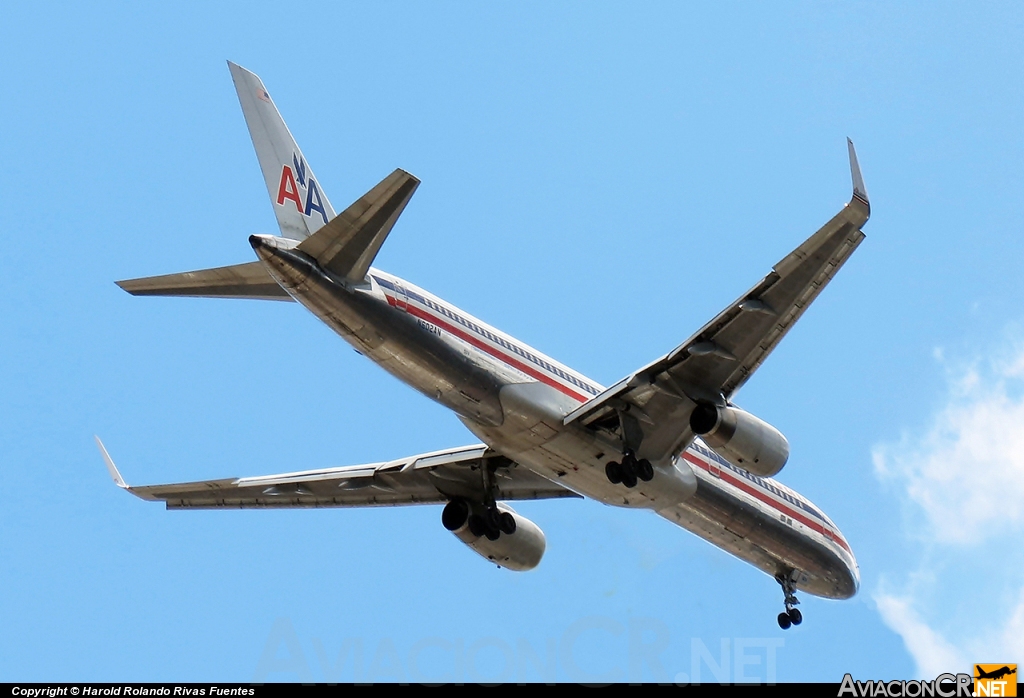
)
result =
(741, 438)
(504, 537)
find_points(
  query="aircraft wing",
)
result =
(428, 478)
(718, 359)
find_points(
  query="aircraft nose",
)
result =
(849, 578)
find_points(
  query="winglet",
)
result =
(860, 193)
(118, 480)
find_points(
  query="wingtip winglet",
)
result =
(114, 474)
(860, 192)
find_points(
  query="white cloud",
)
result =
(962, 483)
(967, 472)
(932, 652)
(1011, 642)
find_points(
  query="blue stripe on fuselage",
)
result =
(761, 482)
(492, 337)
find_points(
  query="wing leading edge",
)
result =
(427, 478)
(719, 358)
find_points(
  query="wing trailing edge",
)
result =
(426, 478)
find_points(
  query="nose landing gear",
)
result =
(792, 615)
(629, 470)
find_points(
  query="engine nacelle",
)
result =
(519, 551)
(741, 438)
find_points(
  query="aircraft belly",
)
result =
(439, 367)
(436, 366)
(524, 421)
(761, 539)
(566, 459)
(575, 459)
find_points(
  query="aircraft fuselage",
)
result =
(515, 399)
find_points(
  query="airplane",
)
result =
(667, 437)
(995, 674)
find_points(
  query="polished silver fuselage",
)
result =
(515, 399)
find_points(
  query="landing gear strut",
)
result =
(629, 470)
(792, 615)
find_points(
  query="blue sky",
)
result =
(598, 181)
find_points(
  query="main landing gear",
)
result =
(629, 470)
(491, 522)
(792, 615)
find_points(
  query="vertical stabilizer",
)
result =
(299, 202)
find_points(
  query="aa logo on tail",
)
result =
(995, 679)
(296, 186)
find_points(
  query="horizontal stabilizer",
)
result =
(250, 280)
(347, 245)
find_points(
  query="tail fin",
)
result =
(299, 203)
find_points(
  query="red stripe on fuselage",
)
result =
(483, 346)
(758, 494)
(725, 475)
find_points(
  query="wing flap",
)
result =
(250, 280)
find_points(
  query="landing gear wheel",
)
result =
(629, 470)
(493, 518)
(507, 525)
(629, 478)
(785, 621)
(795, 616)
(614, 472)
(493, 522)
(477, 526)
(644, 470)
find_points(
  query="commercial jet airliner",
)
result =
(667, 437)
